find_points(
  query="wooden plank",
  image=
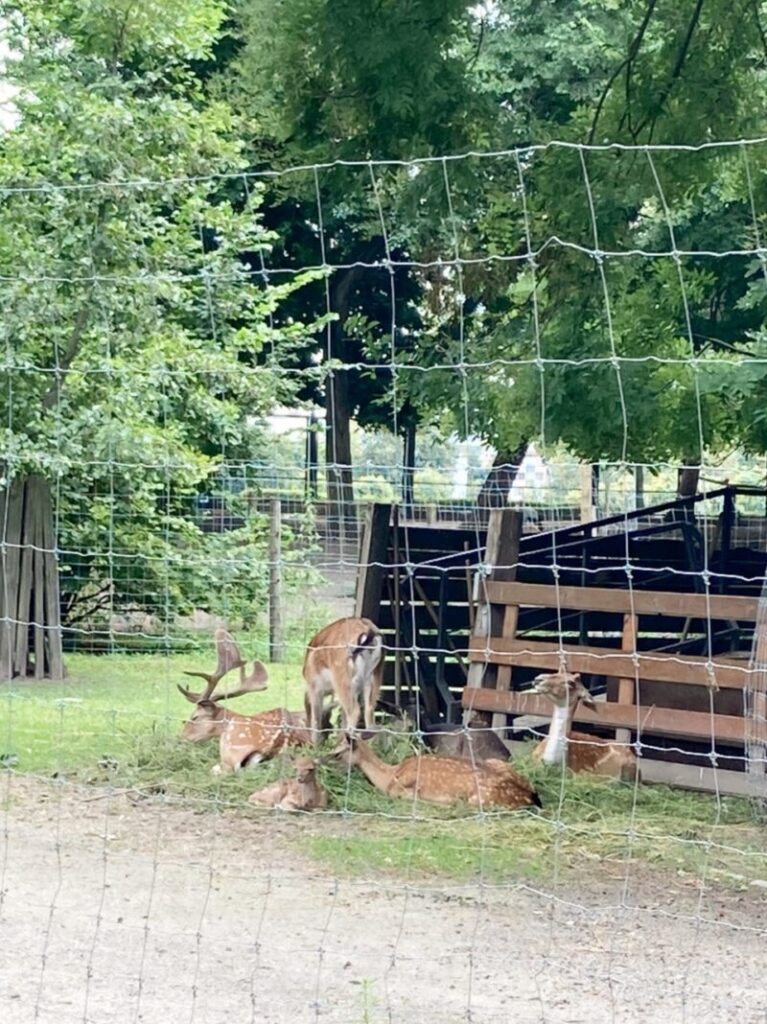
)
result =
(627, 602)
(31, 517)
(627, 684)
(727, 673)
(6, 664)
(373, 557)
(691, 724)
(13, 539)
(55, 666)
(503, 680)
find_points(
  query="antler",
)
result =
(229, 658)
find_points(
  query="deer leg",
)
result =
(315, 702)
(350, 709)
(372, 690)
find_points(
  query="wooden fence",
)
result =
(655, 699)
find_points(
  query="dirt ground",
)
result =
(117, 913)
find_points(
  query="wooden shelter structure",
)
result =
(657, 609)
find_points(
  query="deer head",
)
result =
(563, 689)
(208, 714)
(305, 769)
(206, 721)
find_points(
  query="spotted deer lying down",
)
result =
(442, 780)
(344, 660)
(302, 793)
(243, 739)
(579, 750)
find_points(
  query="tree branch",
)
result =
(675, 71)
(53, 394)
(633, 50)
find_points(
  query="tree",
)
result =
(130, 328)
(623, 358)
(336, 79)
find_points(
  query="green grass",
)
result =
(110, 706)
(116, 720)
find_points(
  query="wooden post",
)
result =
(504, 531)
(29, 582)
(371, 571)
(276, 649)
(373, 554)
(756, 709)
(627, 686)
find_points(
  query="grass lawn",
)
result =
(116, 721)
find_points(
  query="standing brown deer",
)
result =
(302, 793)
(344, 659)
(243, 739)
(580, 751)
(443, 780)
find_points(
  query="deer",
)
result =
(243, 739)
(302, 793)
(580, 751)
(345, 660)
(475, 741)
(442, 780)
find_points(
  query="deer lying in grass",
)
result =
(581, 752)
(302, 793)
(442, 780)
(474, 742)
(345, 660)
(243, 739)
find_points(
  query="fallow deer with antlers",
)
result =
(443, 780)
(345, 660)
(580, 751)
(243, 739)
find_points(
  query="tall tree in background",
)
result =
(624, 357)
(343, 79)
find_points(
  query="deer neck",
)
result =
(375, 770)
(555, 751)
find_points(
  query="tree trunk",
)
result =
(639, 487)
(338, 456)
(494, 492)
(30, 616)
(338, 408)
(312, 459)
(687, 480)
(408, 469)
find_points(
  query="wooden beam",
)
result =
(626, 602)
(373, 557)
(504, 531)
(663, 721)
(627, 684)
(603, 661)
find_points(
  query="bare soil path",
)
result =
(115, 913)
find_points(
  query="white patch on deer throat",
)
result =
(555, 751)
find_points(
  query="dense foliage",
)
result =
(129, 322)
